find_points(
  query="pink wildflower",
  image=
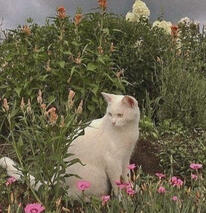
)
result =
(130, 191)
(121, 185)
(34, 208)
(83, 185)
(105, 199)
(176, 181)
(195, 166)
(131, 166)
(194, 177)
(174, 198)
(160, 175)
(161, 190)
(10, 180)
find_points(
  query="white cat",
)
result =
(105, 148)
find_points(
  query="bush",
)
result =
(57, 57)
(183, 95)
(138, 49)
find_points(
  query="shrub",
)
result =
(56, 57)
(182, 94)
(138, 50)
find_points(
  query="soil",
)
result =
(144, 155)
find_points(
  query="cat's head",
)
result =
(121, 110)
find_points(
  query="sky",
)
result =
(15, 12)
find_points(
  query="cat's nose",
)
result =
(113, 123)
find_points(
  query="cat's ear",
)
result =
(107, 97)
(129, 101)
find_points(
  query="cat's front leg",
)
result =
(125, 171)
(114, 173)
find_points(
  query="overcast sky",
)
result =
(16, 12)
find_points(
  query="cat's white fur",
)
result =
(106, 146)
(104, 149)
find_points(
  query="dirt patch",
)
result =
(144, 155)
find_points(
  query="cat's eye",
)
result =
(119, 115)
(110, 114)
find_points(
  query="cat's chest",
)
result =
(120, 140)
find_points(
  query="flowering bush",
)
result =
(165, 25)
(139, 9)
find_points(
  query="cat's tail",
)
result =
(11, 168)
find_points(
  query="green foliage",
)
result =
(183, 95)
(58, 56)
(40, 142)
(138, 49)
(178, 148)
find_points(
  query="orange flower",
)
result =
(43, 107)
(61, 9)
(174, 31)
(26, 30)
(103, 4)
(61, 12)
(52, 115)
(77, 18)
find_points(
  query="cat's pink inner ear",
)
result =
(107, 97)
(128, 100)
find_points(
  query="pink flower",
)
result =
(10, 180)
(83, 184)
(176, 181)
(174, 198)
(194, 177)
(130, 191)
(122, 185)
(195, 166)
(131, 166)
(160, 175)
(34, 208)
(105, 199)
(161, 190)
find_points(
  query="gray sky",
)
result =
(16, 12)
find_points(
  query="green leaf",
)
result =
(18, 91)
(106, 31)
(62, 64)
(91, 67)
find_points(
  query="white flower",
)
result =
(138, 43)
(131, 17)
(187, 21)
(140, 9)
(197, 23)
(166, 25)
